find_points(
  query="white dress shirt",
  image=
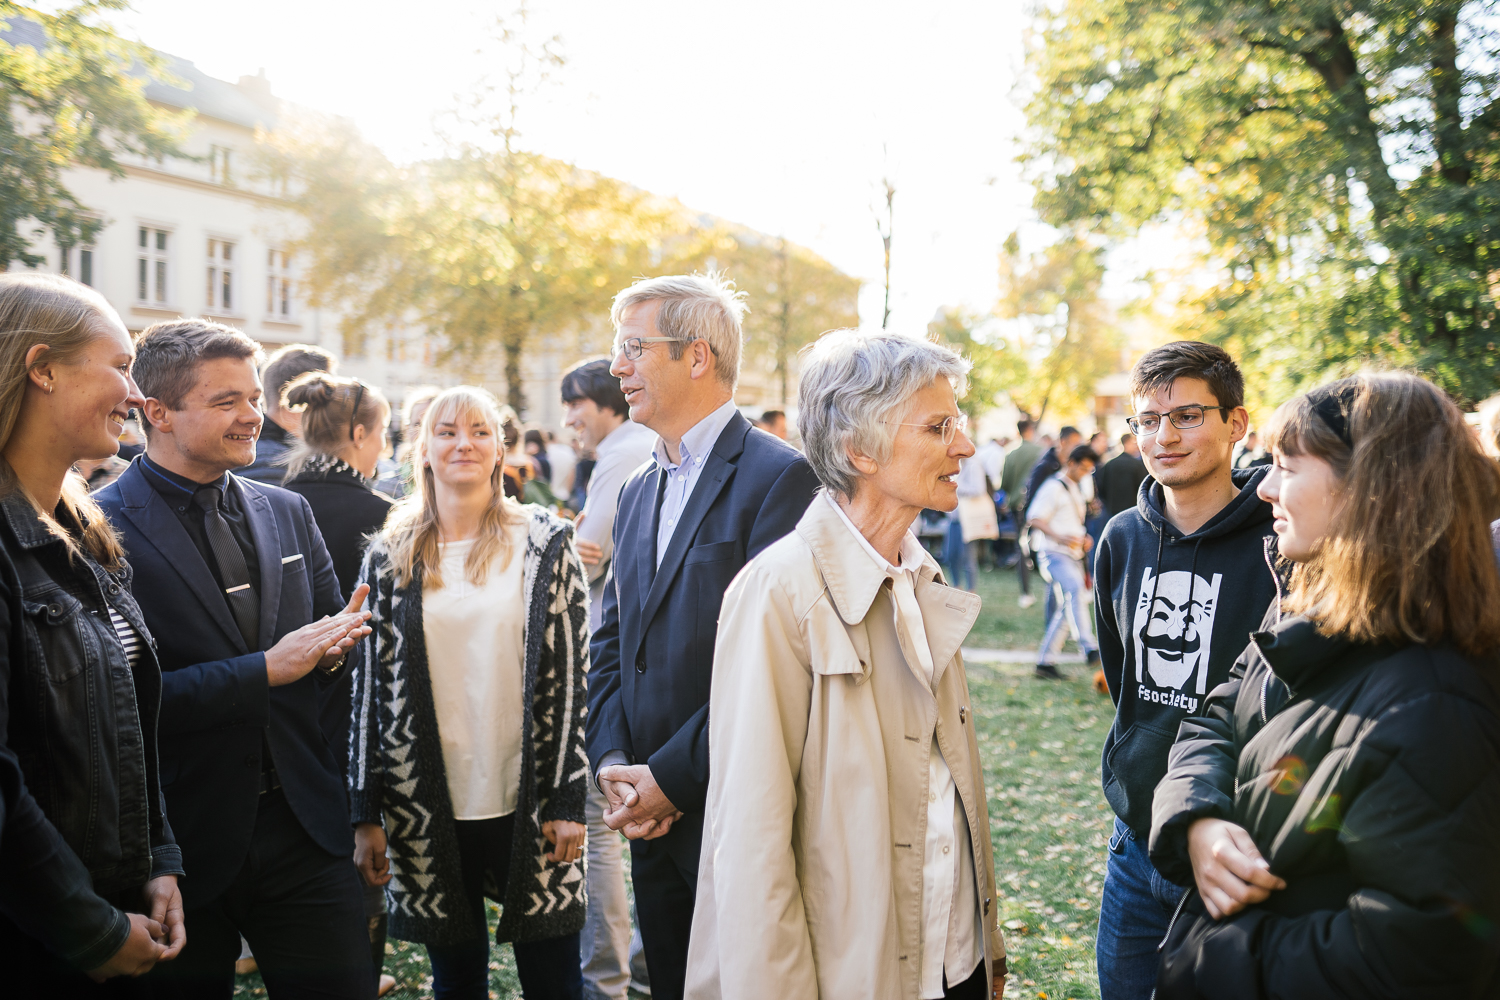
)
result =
(683, 476)
(950, 926)
(623, 450)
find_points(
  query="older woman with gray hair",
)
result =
(846, 843)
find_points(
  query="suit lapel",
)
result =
(717, 471)
(268, 550)
(160, 527)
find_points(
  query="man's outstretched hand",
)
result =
(637, 807)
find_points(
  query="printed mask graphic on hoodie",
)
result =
(1174, 628)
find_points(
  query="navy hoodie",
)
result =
(1173, 613)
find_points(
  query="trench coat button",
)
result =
(963, 713)
(54, 610)
(114, 588)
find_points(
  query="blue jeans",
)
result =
(1133, 919)
(1067, 577)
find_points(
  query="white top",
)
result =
(950, 934)
(683, 477)
(476, 658)
(971, 477)
(623, 450)
(992, 457)
(1060, 503)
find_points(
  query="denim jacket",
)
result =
(86, 828)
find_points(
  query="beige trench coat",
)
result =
(810, 881)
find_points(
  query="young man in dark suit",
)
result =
(240, 596)
(717, 493)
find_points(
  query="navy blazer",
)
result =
(653, 655)
(216, 700)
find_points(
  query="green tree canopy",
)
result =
(484, 250)
(795, 296)
(999, 365)
(1074, 341)
(1339, 159)
(72, 93)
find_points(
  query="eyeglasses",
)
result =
(633, 346)
(948, 427)
(359, 397)
(1183, 418)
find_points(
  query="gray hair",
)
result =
(853, 385)
(693, 307)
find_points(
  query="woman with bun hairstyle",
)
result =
(88, 865)
(333, 465)
(466, 769)
(1337, 802)
(343, 434)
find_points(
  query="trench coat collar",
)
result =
(853, 579)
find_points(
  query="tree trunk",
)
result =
(515, 396)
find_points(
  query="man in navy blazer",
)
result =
(717, 493)
(241, 599)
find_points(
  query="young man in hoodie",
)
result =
(1180, 582)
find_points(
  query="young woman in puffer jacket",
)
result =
(1337, 802)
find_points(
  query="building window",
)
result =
(77, 263)
(220, 276)
(279, 285)
(219, 164)
(153, 258)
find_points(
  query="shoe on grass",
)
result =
(1047, 672)
(1093, 658)
(1026, 600)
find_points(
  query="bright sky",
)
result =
(771, 114)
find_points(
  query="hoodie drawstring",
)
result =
(1161, 540)
(1187, 614)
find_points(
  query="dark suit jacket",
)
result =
(216, 702)
(653, 655)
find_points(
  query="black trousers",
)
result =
(549, 969)
(665, 874)
(976, 987)
(302, 910)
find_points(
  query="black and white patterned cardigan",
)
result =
(396, 773)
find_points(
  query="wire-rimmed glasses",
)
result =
(949, 427)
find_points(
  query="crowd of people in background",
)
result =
(290, 672)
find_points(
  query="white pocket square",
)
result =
(287, 559)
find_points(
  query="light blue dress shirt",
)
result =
(695, 448)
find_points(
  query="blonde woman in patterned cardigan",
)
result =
(466, 756)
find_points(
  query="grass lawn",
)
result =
(1040, 743)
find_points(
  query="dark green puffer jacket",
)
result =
(1369, 777)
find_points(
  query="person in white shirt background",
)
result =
(1057, 515)
(598, 414)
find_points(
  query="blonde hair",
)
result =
(693, 307)
(328, 407)
(411, 532)
(65, 317)
(1408, 555)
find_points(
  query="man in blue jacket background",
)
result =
(239, 593)
(718, 492)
